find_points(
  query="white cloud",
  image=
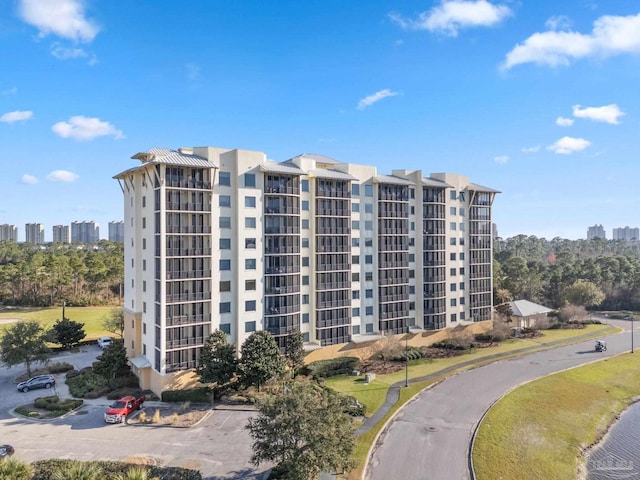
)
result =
(606, 113)
(453, 15)
(559, 22)
(564, 122)
(62, 176)
(66, 53)
(29, 179)
(611, 35)
(84, 128)
(63, 18)
(533, 149)
(16, 116)
(10, 91)
(502, 159)
(568, 145)
(376, 97)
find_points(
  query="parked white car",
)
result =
(104, 342)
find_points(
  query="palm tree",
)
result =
(135, 473)
(13, 469)
(79, 471)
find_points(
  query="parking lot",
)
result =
(219, 447)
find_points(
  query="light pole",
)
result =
(632, 318)
(406, 358)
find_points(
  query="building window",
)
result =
(461, 227)
(355, 242)
(144, 307)
(452, 225)
(224, 222)
(462, 196)
(144, 201)
(144, 222)
(368, 208)
(453, 195)
(461, 270)
(305, 261)
(461, 300)
(305, 318)
(249, 327)
(452, 272)
(355, 294)
(412, 274)
(224, 178)
(144, 265)
(225, 264)
(368, 190)
(368, 277)
(355, 189)
(250, 180)
(452, 256)
(461, 255)
(453, 302)
(412, 257)
(368, 293)
(226, 328)
(412, 289)
(356, 330)
(224, 200)
(225, 286)
(355, 312)
(225, 243)
(413, 226)
(368, 311)
(355, 277)
(355, 207)
(452, 287)
(305, 299)
(144, 243)
(462, 316)
(225, 307)
(368, 259)
(452, 241)
(249, 285)
(453, 317)
(250, 263)
(250, 306)
(250, 222)
(305, 243)
(249, 243)
(355, 259)
(452, 210)
(304, 185)
(461, 285)
(305, 280)
(368, 242)
(412, 210)
(305, 204)
(368, 225)
(355, 225)
(305, 224)
(461, 210)
(250, 202)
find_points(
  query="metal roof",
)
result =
(479, 188)
(319, 158)
(166, 156)
(285, 167)
(525, 308)
(432, 182)
(324, 173)
(392, 179)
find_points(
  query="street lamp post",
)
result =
(632, 318)
(406, 358)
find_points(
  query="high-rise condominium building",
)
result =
(627, 234)
(85, 232)
(226, 239)
(34, 233)
(116, 231)
(597, 231)
(61, 234)
(8, 232)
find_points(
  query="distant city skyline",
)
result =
(537, 98)
(85, 231)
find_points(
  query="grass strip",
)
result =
(540, 430)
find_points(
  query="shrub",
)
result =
(156, 416)
(195, 395)
(332, 367)
(85, 382)
(451, 344)
(45, 402)
(72, 373)
(142, 417)
(45, 469)
(59, 367)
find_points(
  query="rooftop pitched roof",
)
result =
(525, 308)
(480, 188)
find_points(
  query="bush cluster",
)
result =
(451, 344)
(413, 353)
(332, 367)
(86, 384)
(195, 395)
(48, 469)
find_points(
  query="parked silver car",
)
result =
(39, 381)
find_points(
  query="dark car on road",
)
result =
(6, 451)
(40, 381)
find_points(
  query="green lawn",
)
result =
(92, 317)
(539, 430)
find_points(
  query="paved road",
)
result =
(429, 438)
(220, 447)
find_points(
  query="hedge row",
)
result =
(332, 367)
(48, 469)
(195, 395)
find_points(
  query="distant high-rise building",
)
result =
(85, 232)
(61, 234)
(8, 233)
(627, 234)
(116, 231)
(34, 233)
(597, 231)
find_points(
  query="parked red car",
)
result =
(121, 408)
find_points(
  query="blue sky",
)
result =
(539, 99)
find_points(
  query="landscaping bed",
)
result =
(171, 415)
(48, 407)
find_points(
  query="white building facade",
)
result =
(8, 233)
(34, 233)
(627, 234)
(116, 231)
(596, 231)
(85, 232)
(226, 239)
(61, 234)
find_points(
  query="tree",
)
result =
(13, 469)
(112, 362)
(114, 322)
(24, 341)
(294, 352)
(260, 360)
(67, 333)
(583, 293)
(217, 362)
(304, 431)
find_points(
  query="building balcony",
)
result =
(187, 297)
(282, 211)
(282, 230)
(184, 274)
(333, 286)
(282, 290)
(279, 189)
(333, 304)
(281, 270)
(188, 229)
(324, 267)
(332, 212)
(186, 252)
(184, 342)
(187, 319)
(396, 314)
(393, 298)
(188, 183)
(333, 231)
(175, 367)
(281, 250)
(393, 281)
(268, 311)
